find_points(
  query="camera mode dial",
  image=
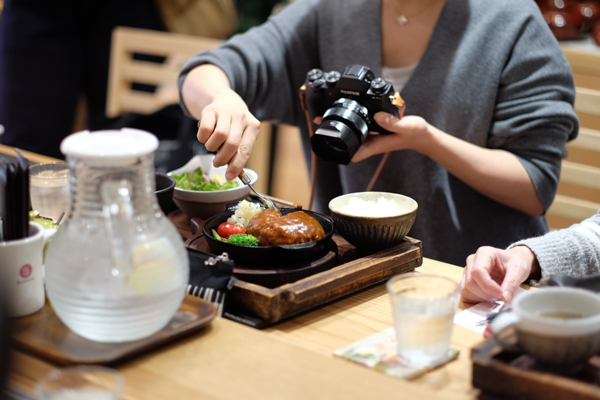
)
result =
(314, 74)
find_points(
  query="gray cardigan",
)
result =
(492, 74)
(574, 251)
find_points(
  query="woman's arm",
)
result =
(251, 76)
(496, 273)
(225, 123)
(497, 174)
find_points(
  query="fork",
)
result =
(246, 180)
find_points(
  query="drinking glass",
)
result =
(81, 383)
(49, 188)
(423, 308)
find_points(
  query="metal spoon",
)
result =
(246, 179)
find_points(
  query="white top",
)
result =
(398, 76)
(110, 146)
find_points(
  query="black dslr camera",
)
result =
(347, 103)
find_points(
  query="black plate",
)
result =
(284, 255)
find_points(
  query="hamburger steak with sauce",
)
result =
(272, 229)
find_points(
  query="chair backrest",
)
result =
(127, 69)
(579, 188)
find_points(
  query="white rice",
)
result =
(367, 208)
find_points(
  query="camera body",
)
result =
(347, 103)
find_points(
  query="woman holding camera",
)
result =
(489, 99)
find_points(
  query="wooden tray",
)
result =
(45, 335)
(260, 306)
(516, 376)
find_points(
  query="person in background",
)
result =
(497, 273)
(52, 53)
(489, 99)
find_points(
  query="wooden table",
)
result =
(292, 360)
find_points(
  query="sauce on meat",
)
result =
(271, 229)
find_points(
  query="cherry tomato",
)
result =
(235, 229)
(223, 229)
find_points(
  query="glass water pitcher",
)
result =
(117, 269)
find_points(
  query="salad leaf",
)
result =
(197, 180)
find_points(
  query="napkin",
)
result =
(211, 277)
(378, 352)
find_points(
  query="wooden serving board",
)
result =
(45, 335)
(513, 375)
(260, 306)
(272, 305)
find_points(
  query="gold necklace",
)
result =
(403, 18)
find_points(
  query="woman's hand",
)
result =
(225, 123)
(496, 273)
(410, 132)
(227, 127)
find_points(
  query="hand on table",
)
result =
(496, 273)
(227, 127)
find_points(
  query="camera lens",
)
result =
(342, 131)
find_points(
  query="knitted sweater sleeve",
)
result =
(263, 64)
(573, 251)
(534, 115)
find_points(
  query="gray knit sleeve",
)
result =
(264, 64)
(573, 251)
(534, 114)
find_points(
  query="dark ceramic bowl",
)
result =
(165, 187)
(373, 233)
(282, 256)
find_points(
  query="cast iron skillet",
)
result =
(284, 255)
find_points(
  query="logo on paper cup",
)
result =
(25, 271)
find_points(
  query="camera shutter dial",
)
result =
(332, 78)
(378, 85)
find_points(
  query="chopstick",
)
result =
(3, 191)
(23, 205)
(14, 180)
(11, 197)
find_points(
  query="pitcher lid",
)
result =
(126, 144)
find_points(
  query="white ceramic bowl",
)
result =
(205, 204)
(374, 233)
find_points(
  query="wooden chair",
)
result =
(126, 70)
(133, 69)
(579, 188)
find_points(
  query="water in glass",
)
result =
(423, 309)
(49, 189)
(117, 269)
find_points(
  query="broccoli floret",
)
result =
(243, 239)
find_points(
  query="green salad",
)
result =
(197, 180)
